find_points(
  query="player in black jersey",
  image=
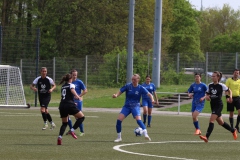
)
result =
(44, 85)
(214, 95)
(68, 107)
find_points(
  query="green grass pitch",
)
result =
(172, 137)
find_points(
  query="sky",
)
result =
(235, 4)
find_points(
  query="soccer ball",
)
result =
(138, 131)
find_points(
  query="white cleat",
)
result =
(147, 138)
(52, 126)
(45, 126)
(118, 140)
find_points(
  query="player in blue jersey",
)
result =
(81, 90)
(68, 107)
(134, 92)
(214, 95)
(146, 101)
(197, 91)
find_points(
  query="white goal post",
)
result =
(11, 87)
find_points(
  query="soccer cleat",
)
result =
(52, 126)
(68, 132)
(235, 136)
(203, 138)
(59, 141)
(197, 132)
(147, 138)
(149, 125)
(45, 126)
(81, 134)
(118, 140)
(73, 135)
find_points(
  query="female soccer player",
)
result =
(68, 107)
(134, 91)
(197, 91)
(146, 101)
(44, 85)
(214, 95)
(81, 90)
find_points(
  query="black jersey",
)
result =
(43, 85)
(215, 91)
(66, 94)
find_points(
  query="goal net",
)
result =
(11, 87)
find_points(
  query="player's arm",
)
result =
(151, 97)
(53, 87)
(76, 96)
(83, 92)
(32, 87)
(155, 95)
(117, 94)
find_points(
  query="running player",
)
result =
(45, 86)
(197, 91)
(214, 95)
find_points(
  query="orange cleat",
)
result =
(197, 132)
(204, 138)
(235, 136)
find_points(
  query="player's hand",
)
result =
(208, 98)
(229, 100)
(190, 95)
(114, 95)
(50, 91)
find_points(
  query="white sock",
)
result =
(60, 137)
(119, 135)
(145, 132)
(72, 129)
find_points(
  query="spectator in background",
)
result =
(214, 95)
(146, 100)
(44, 85)
(234, 84)
(197, 91)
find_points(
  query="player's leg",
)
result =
(122, 115)
(150, 106)
(45, 102)
(137, 115)
(79, 106)
(230, 109)
(227, 127)
(210, 128)
(237, 104)
(198, 109)
(145, 110)
(70, 125)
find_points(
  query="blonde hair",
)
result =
(136, 75)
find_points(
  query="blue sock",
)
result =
(81, 128)
(144, 118)
(149, 119)
(140, 123)
(70, 123)
(119, 126)
(196, 125)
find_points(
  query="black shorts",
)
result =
(217, 108)
(66, 109)
(235, 103)
(44, 101)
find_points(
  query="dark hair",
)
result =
(148, 76)
(195, 74)
(66, 78)
(73, 70)
(236, 70)
(219, 75)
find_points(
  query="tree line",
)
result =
(75, 28)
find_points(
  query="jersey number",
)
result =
(63, 93)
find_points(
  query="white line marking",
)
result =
(118, 148)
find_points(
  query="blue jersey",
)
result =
(79, 86)
(151, 89)
(133, 94)
(198, 90)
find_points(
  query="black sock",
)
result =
(228, 127)
(44, 116)
(237, 123)
(78, 122)
(63, 128)
(49, 118)
(210, 129)
(231, 121)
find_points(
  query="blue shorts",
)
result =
(197, 106)
(126, 110)
(79, 104)
(147, 102)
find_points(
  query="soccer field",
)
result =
(172, 137)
